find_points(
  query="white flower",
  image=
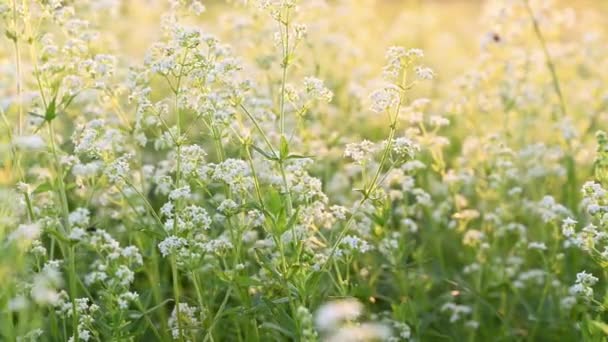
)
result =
(456, 311)
(170, 244)
(132, 253)
(301, 31)
(125, 275)
(124, 299)
(44, 288)
(29, 142)
(256, 218)
(339, 212)
(86, 170)
(569, 221)
(567, 302)
(180, 193)
(360, 152)
(416, 53)
(356, 244)
(79, 217)
(332, 314)
(583, 285)
(17, 303)
(197, 7)
(404, 148)
(316, 89)
(227, 206)
(425, 73)
(187, 318)
(439, 121)
(586, 278)
(167, 209)
(537, 245)
(119, 169)
(397, 59)
(361, 332)
(235, 173)
(26, 233)
(24, 188)
(77, 234)
(383, 99)
(472, 324)
(196, 217)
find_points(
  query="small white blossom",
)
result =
(331, 314)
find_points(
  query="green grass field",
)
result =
(283, 170)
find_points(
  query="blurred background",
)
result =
(449, 31)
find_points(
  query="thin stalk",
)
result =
(283, 278)
(176, 295)
(217, 315)
(342, 234)
(18, 68)
(65, 213)
(176, 289)
(15, 157)
(284, 65)
(289, 203)
(571, 191)
(33, 52)
(548, 59)
(146, 202)
(374, 183)
(197, 288)
(72, 281)
(260, 130)
(256, 181)
(153, 279)
(62, 189)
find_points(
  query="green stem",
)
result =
(18, 68)
(284, 66)
(199, 293)
(176, 290)
(548, 59)
(66, 223)
(176, 295)
(374, 183)
(260, 130)
(217, 315)
(256, 181)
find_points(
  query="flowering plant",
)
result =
(297, 170)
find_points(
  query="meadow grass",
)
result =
(283, 170)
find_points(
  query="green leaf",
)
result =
(138, 314)
(10, 35)
(36, 114)
(272, 326)
(260, 151)
(44, 187)
(298, 156)
(284, 148)
(51, 113)
(58, 235)
(601, 326)
(274, 202)
(285, 322)
(292, 219)
(281, 300)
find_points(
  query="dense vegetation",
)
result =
(278, 170)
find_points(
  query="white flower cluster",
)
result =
(583, 287)
(186, 315)
(332, 321)
(244, 177)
